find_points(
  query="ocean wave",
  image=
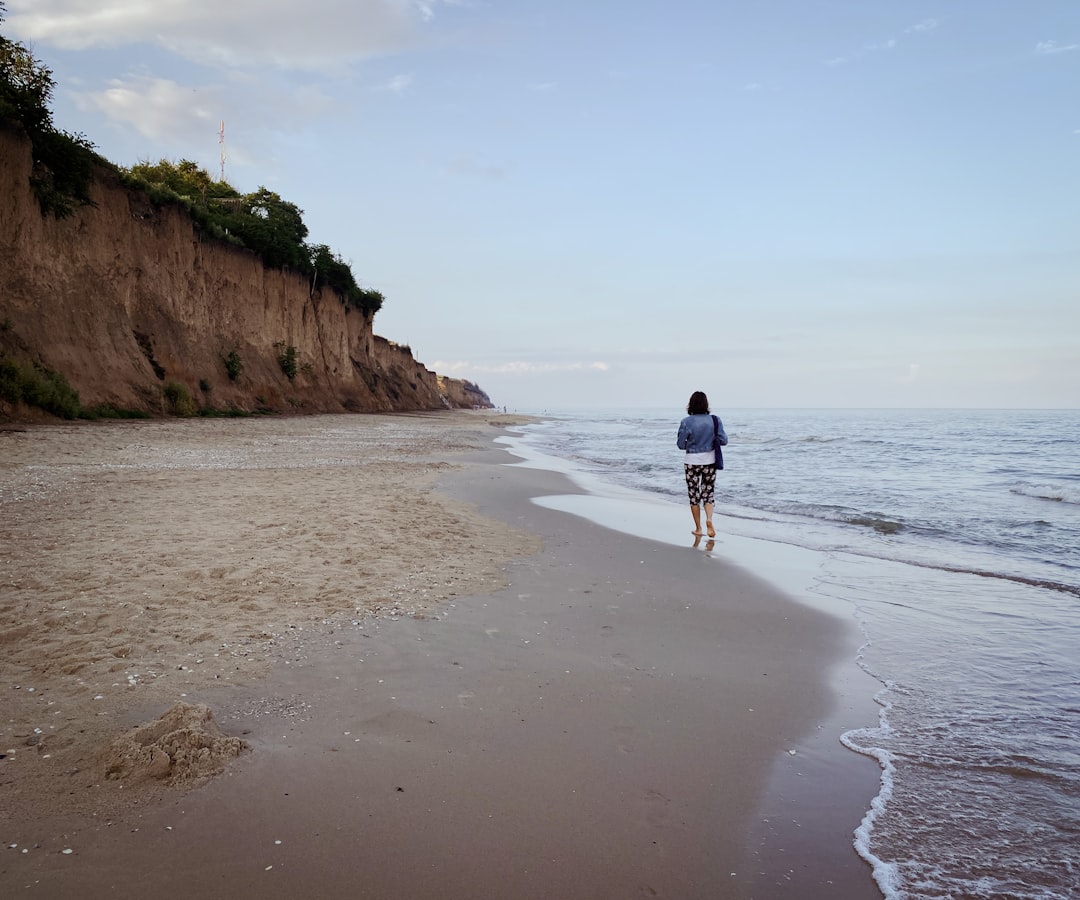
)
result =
(752, 439)
(1059, 493)
(1047, 583)
(880, 525)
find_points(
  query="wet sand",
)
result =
(448, 694)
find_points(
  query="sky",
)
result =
(784, 203)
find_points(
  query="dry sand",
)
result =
(402, 696)
(142, 562)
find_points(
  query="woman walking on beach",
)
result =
(701, 435)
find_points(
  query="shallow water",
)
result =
(953, 538)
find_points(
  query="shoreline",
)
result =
(815, 791)
(581, 732)
(821, 782)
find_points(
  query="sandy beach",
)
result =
(398, 677)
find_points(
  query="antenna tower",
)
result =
(221, 142)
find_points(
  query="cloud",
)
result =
(757, 87)
(517, 367)
(322, 35)
(912, 374)
(1049, 48)
(396, 85)
(188, 116)
(157, 107)
(468, 166)
(924, 25)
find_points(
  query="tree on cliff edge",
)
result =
(261, 221)
(26, 85)
(185, 179)
(273, 228)
(63, 162)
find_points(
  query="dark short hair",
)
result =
(698, 404)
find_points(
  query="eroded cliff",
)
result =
(133, 307)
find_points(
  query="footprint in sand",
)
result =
(623, 733)
(656, 808)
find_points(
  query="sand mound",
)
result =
(183, 745)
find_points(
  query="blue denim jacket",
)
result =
(696, 434)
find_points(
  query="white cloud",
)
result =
(516, 368)
(184, 116)
(1048, 48)
(156, 107)
(320, 35)
(883, 46)
(396, 85)
(912, 374)
(924, 25)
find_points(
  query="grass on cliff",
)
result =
(178, 399)
(38, 386)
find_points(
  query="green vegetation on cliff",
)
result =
(38, 385)
(63, 162)
(261, 221)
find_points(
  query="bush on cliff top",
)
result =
(63, 173)
(262, 221)
(63, 162)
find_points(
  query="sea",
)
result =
(952, 539)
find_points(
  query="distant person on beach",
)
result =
(699, 434)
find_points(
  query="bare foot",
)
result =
(698, 533)
(712, 531)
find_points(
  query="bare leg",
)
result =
(695, 511)
(708, 520)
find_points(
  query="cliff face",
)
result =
(125, 298)
(463, 394)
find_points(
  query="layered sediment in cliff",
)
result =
(463, 394)
(130, 304)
